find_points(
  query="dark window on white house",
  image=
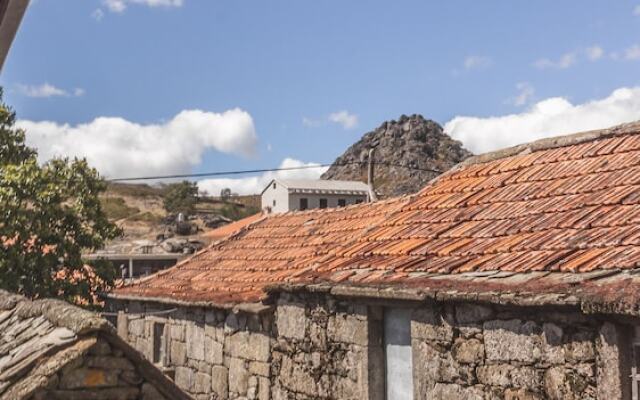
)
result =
(158, 343)
(274, 185)
(398, 358)
(274, 202)
(359, 201)
(323, 203)
(342, 202)
(304, 203)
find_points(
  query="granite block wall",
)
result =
(211, 353)
(103, 373)
(317, 346)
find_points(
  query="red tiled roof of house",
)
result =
(231, 228)
(568, 204)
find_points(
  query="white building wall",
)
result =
(276, 198)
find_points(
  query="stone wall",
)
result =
(211, 353)
(327, 349)
(488, 352)
(330, 348)
(317, 346)
(103, 373)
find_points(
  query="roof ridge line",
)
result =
(58, 312)
(549, 143)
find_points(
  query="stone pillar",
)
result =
(123, 326)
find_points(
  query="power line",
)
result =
(255, 171)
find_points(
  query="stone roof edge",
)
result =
(58, 312)
(253, 308)
(551, 143)
(523, 298)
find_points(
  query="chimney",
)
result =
(372, 192)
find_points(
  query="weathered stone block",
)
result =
(346, 328)
(468, 351)
(445, 391)
(177, 332)
(472, 313)
(260, 368)
(264, 389)
(291, 321)
(109, 362)
(512, 340)
(296, 378)
(521, 394)
(608, 375)
(552, 344)
(220, 381)
(580, 348)
(259, 347)
(136, 326)
(238, 376)
(88, 378)
(178, 353)
(214, 351)
(427, 324)
(432, 365)
(184, 378)
(195, 342)
(202, 383)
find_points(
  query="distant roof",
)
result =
(39, 338)
(322, 186)
(560, 210)
(11, 13)
(229, 229)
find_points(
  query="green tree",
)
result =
(49, 214)
(181, 197)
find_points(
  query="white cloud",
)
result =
(564, 62)
(550, 117)
(118, 6)
(120, 148)
(97, 14)
(594, 53)
(525, 93)
(344, 118)
(632, 53)
(636, 11)
(47, 90)
(477, 62)
(255, 184)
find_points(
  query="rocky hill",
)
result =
(413, 142)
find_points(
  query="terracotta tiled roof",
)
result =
(231, 228)
(273, 250)
(568, 204)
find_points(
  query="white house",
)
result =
(282, 195)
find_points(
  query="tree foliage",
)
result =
(181, 197)
(49, 215)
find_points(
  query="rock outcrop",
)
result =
(409, 153)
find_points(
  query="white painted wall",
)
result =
(278, 194)
(397, 344)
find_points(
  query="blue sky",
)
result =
(302, 80)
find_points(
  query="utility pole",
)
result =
(372, 192)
